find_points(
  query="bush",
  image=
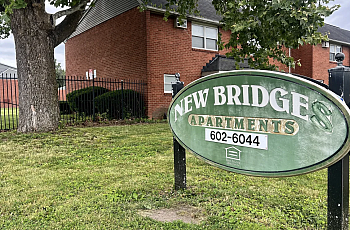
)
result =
(64, 107)
(82, 100)
(111, 103)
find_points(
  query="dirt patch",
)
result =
(187, 214)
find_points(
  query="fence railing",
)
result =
(8, 101)
(84, 99)
(80, 99)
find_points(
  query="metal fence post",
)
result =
(122, 102)
(338, 174)
(179, 151)
(83, 104)
(93, 97)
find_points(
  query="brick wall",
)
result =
(115, 48)
(315, 61)
(281, 67)
(137, 45)
(321, 62)
(305, 55)
(170, 51)
(346, 51)
(8, 93)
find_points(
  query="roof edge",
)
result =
(6, 70)
(86, 11)
(340, 42)
(10, 67)
(194, 18)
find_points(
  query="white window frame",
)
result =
(167, 83)
(332, 54)
(205, 36)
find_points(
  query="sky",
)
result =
(8, 53)
(7, 46)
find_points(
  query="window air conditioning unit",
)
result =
(325, 44)
(182, 25)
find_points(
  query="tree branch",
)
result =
(69, 11)
(66, 27)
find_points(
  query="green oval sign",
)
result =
(261, 123)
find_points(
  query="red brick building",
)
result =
(316, 60)
(119, 41)
(8, 86)
(129, 44)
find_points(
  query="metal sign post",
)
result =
(179, 151)
(338, 174)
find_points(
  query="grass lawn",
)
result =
(101, 177)
(9, 118)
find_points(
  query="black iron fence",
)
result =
(80, 99)
(84, 99)
(8, 101)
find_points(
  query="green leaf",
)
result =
(269, 23)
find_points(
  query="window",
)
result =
(204, 37)
(168, 79)
(333, 50)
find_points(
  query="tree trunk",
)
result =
(38, 100)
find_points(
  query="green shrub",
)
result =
(64, 107)
(111, 103)
(82, 100)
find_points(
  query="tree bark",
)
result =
(38, 99)
(36, 36)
